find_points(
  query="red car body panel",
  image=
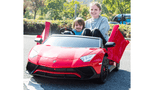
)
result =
(67, 57)
(45, 32)
(115, 53)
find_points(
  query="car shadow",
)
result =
(117, 80)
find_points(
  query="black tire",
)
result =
(104, 71)
(117, 67)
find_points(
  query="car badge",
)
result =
(54, 61)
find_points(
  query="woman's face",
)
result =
(94, 11)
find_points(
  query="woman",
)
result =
(97, 25)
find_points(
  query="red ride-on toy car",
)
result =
(75, 57)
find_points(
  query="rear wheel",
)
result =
(104, 71)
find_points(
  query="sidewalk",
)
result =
(128, 46)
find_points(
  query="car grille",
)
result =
(60, 76)
(56, 69)
(84, 72)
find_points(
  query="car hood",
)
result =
(62, 56)
(62, 52)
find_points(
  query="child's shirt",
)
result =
(100, 23)
(77, 33)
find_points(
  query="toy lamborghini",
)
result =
(65, 56)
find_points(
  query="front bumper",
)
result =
(82, 73)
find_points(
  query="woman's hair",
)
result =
(80, 22)
(97, 4)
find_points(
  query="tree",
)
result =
(55, 8)
(25, 5)
(84, 12)
(123, 6)
(35, 5)
(69, 9)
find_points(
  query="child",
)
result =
(97, 25)
(78, 26)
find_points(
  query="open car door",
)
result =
(45, 33)
(115, 53)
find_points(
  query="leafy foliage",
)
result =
(37, 26)
(54, 8)
(117, 6)
(69, 9)
(60, 9)
(61, 13)
(84, 12)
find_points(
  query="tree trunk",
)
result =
(35, 14)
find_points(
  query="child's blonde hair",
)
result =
(97, 4)
(80, 22)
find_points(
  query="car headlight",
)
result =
(33, 53)
(87, 58)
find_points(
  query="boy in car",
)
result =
(78, 26)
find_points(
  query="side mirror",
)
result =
(110, 44)
(38, 39)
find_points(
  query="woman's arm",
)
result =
(104, 28)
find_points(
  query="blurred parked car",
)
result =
(126, 19)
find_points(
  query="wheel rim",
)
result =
(104, 72)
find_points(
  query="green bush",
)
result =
(37, 26)
(40, 18)
(125, 30)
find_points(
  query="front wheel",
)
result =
(104, 71)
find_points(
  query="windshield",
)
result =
(65, 41)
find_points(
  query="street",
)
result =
(116, 80)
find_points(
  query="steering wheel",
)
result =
(67, 29)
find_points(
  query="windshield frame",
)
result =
(77, 36)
